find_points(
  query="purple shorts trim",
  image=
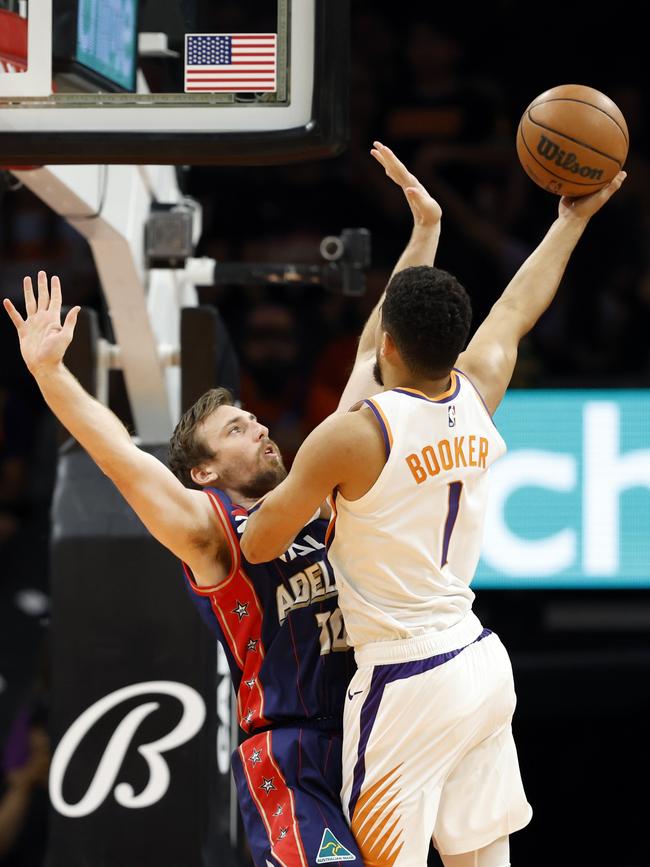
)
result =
(381, 677)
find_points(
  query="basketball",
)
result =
(572, 140)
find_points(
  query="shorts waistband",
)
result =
(332, 724)
(460, 634)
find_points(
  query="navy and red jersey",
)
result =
(281, 628)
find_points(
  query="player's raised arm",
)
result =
(180, 518)
(490, 358)
(420, 250)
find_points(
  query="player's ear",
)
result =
(388, 347)
(202, 475)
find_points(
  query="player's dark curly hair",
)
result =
(187, 449)
(428, 314)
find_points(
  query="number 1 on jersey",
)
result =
(455, 490)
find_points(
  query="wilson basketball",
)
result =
(572, 140)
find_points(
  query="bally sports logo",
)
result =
(118, 745)
(567, 160)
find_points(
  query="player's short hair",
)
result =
(187, 449)
(428, 314)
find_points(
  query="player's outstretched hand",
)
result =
(426, 211)
(43, 340)
(585, 207)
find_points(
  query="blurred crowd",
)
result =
(447, 99)
(448, 104)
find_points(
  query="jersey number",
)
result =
(332, 636)
(455, 490)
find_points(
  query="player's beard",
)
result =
(376, 372)
(264, 480)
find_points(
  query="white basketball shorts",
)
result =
(428, 751)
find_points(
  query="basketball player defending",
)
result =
(428, 751)
(279, 622)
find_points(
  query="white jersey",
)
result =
(405, 553)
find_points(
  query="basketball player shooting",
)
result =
(279, 622)
(428, 751)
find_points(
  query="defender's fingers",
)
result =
(14, 315)
(43, 293)
(55, 298)
(30, 301)
(71, 321)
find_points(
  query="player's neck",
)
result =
(241, 499)
(430, 387)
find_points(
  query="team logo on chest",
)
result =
(313, 584)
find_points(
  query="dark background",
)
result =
(445, 89)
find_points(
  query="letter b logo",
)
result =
(111, 761)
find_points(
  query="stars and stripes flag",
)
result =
(230, 63)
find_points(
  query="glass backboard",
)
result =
(172, 81)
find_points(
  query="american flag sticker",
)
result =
(230, 63)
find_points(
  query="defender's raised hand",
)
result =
(43, 340)
(426, 211)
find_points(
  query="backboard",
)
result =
(172, 81)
